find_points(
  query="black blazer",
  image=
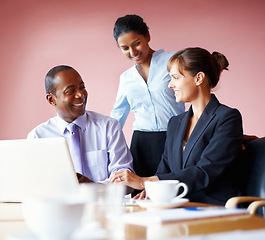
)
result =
(207, 164)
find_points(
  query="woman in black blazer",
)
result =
(202, 144)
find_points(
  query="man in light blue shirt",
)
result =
(103, 146)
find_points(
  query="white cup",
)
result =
(53, 218)
(165, 190)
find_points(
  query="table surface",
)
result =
(163, 231)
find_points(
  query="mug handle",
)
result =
(185, 190)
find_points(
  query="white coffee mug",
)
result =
(165, 190)
(53, 218)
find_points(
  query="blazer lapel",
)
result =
(203, 122)
(179, 136)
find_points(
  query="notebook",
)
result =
(35, 167)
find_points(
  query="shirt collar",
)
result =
(80, 122)
(158, 52)
(154, 55)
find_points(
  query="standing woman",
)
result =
(143, 90)
(202, 144)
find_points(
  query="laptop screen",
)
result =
(35, 167)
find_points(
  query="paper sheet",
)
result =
(177, 214)
(233, 235)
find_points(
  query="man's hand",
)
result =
(83, 179)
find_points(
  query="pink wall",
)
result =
(37, 35)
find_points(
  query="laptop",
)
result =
(36, 168)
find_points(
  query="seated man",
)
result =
(100, 148)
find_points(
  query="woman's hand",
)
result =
(141, 195)
(128, 178)
(247, 138)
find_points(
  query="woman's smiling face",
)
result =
(135, 46)
(183, 84)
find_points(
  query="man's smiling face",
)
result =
(70, 95)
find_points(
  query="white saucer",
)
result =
(175, 202)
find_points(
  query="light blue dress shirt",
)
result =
(102, 142)
(153, 103)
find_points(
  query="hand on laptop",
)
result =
(83, 179)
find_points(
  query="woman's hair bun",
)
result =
(221, 61)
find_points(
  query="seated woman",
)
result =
(203, 143)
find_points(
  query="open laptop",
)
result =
(35, 167)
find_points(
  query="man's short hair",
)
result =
(49, 79)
